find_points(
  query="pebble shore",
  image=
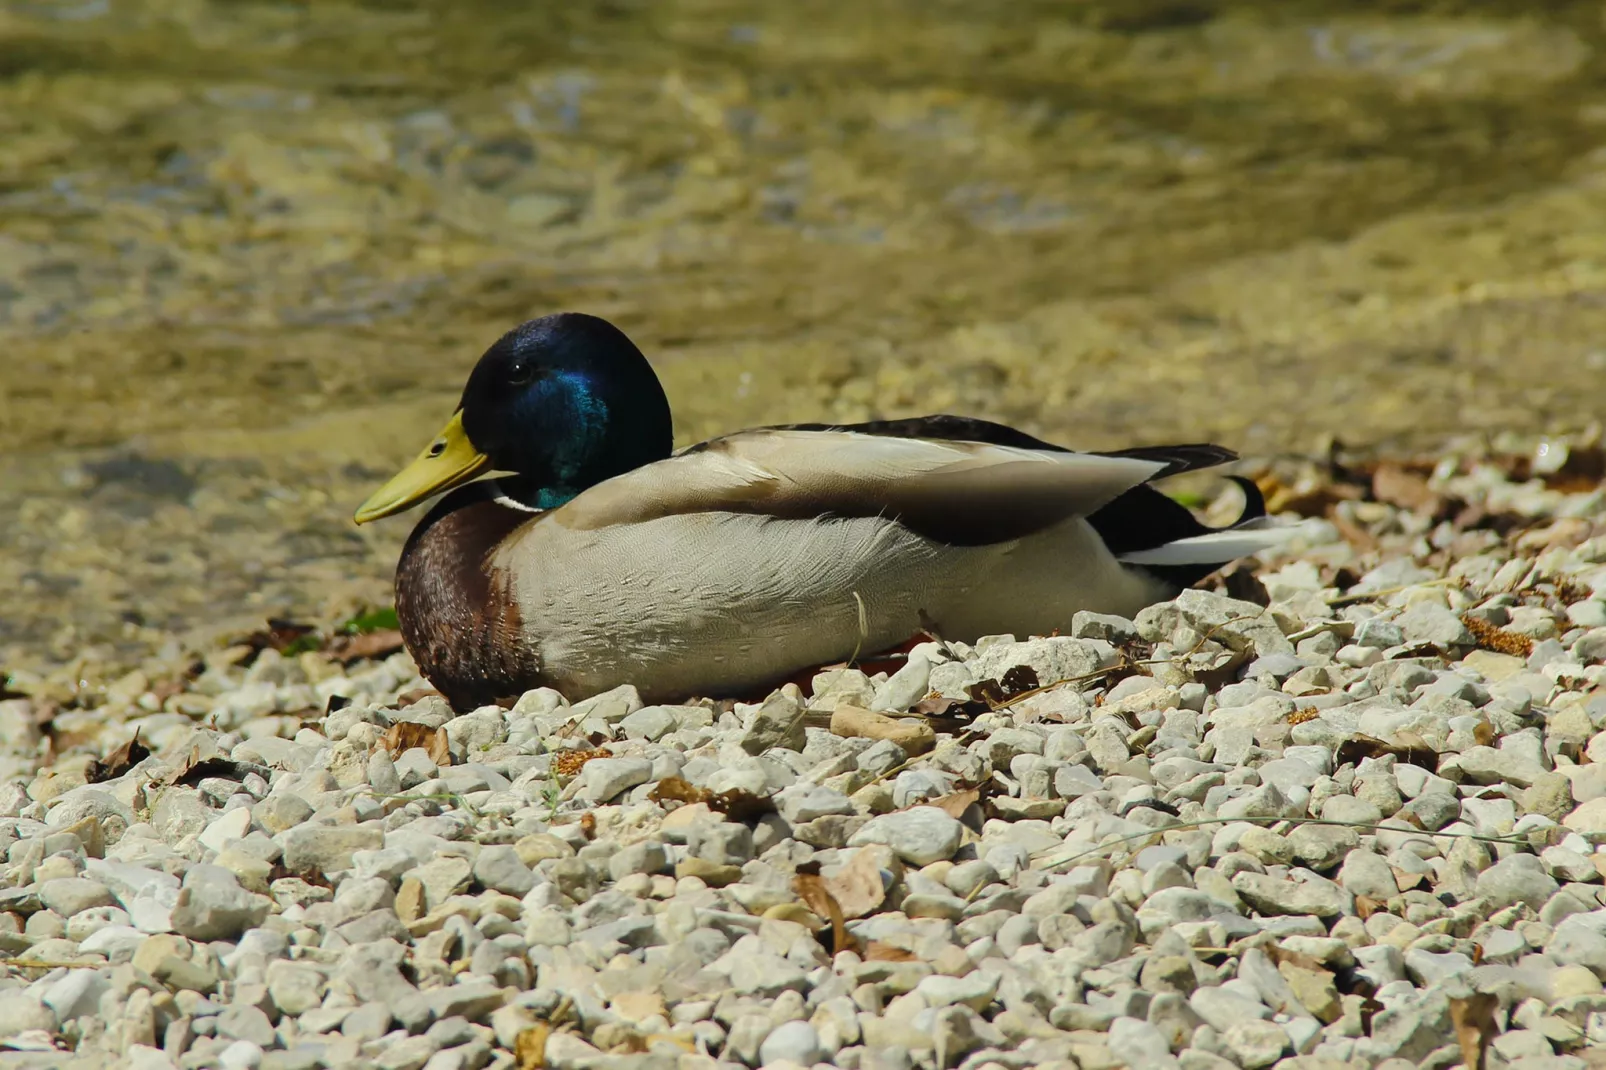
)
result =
(1355, 818)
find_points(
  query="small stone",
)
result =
(1222, 1008)
(919, 836)
(212, 906)
(500, 869)
(795, 1042)
(1314, 895)
(778, 722)
(1137, 1043)
(294, 987)
(68, 896)
(1519, 878)
(651, 723)
(1364, 873)
(443, 877)
(1255, 1044)
(603, 779)
(243, 1022)
(647, 857)
(328, 848)
(905, 687)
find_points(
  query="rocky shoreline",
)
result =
(1346, 810)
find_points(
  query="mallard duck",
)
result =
(605, 557)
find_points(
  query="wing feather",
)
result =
(958, 492)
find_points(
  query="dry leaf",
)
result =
(588, 825)
(1497, 639)
(1366, 906)
(1279, 955)
(857, 886)
(1474, 1026)
(118, 761)
(529, 1047)
(1413, 752)
(570, 762)
(810, 888)
(350, 648)
(405, 735)
(440, 751)
(1300, 716)
(736, 804)
(1398, 486)
(956, 804)
(1483, 734)
(193, 771)
(995, 693)
(876, 951)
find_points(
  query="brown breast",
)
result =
(459, 621)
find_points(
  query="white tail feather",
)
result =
(1220, 547)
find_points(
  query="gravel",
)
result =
(1304, 834)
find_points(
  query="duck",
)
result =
(575, 548)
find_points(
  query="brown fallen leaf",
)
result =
(810, 888)
(956, 804)
(1496, 639)
(736, 804)
(417, 694)
(995, 693)
(403, 736)
(529, 1047)
(1366, 906)
(440, 748)
(1279, 955)
(1399, 486)
(118, 761)
(588, 825)
(1483, 734)
(1416, 753)
(1475, 1026)
(194, 770)
(857, 887)
(570, 762)
(876, 951)
(365, 647)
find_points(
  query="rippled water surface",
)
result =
(248, 251)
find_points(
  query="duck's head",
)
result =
(564, 401)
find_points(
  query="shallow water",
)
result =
(248, 251)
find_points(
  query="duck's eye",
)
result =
(523, 374)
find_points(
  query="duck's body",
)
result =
(735, 564)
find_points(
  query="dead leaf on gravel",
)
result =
(810, 888)
(857, 887)
(403, 736)
(1400, 486)
(529, 1047)
(736, 804)
(1499, 640)
(956, 804)
(876, 951)
(1475, 1026)
(118, 761)
(1412, 752)
(365, 647)
(1279, 955)
(1366, 906)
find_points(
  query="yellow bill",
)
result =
(449, 461)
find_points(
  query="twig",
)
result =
(1386, 591)
(1183, 826)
